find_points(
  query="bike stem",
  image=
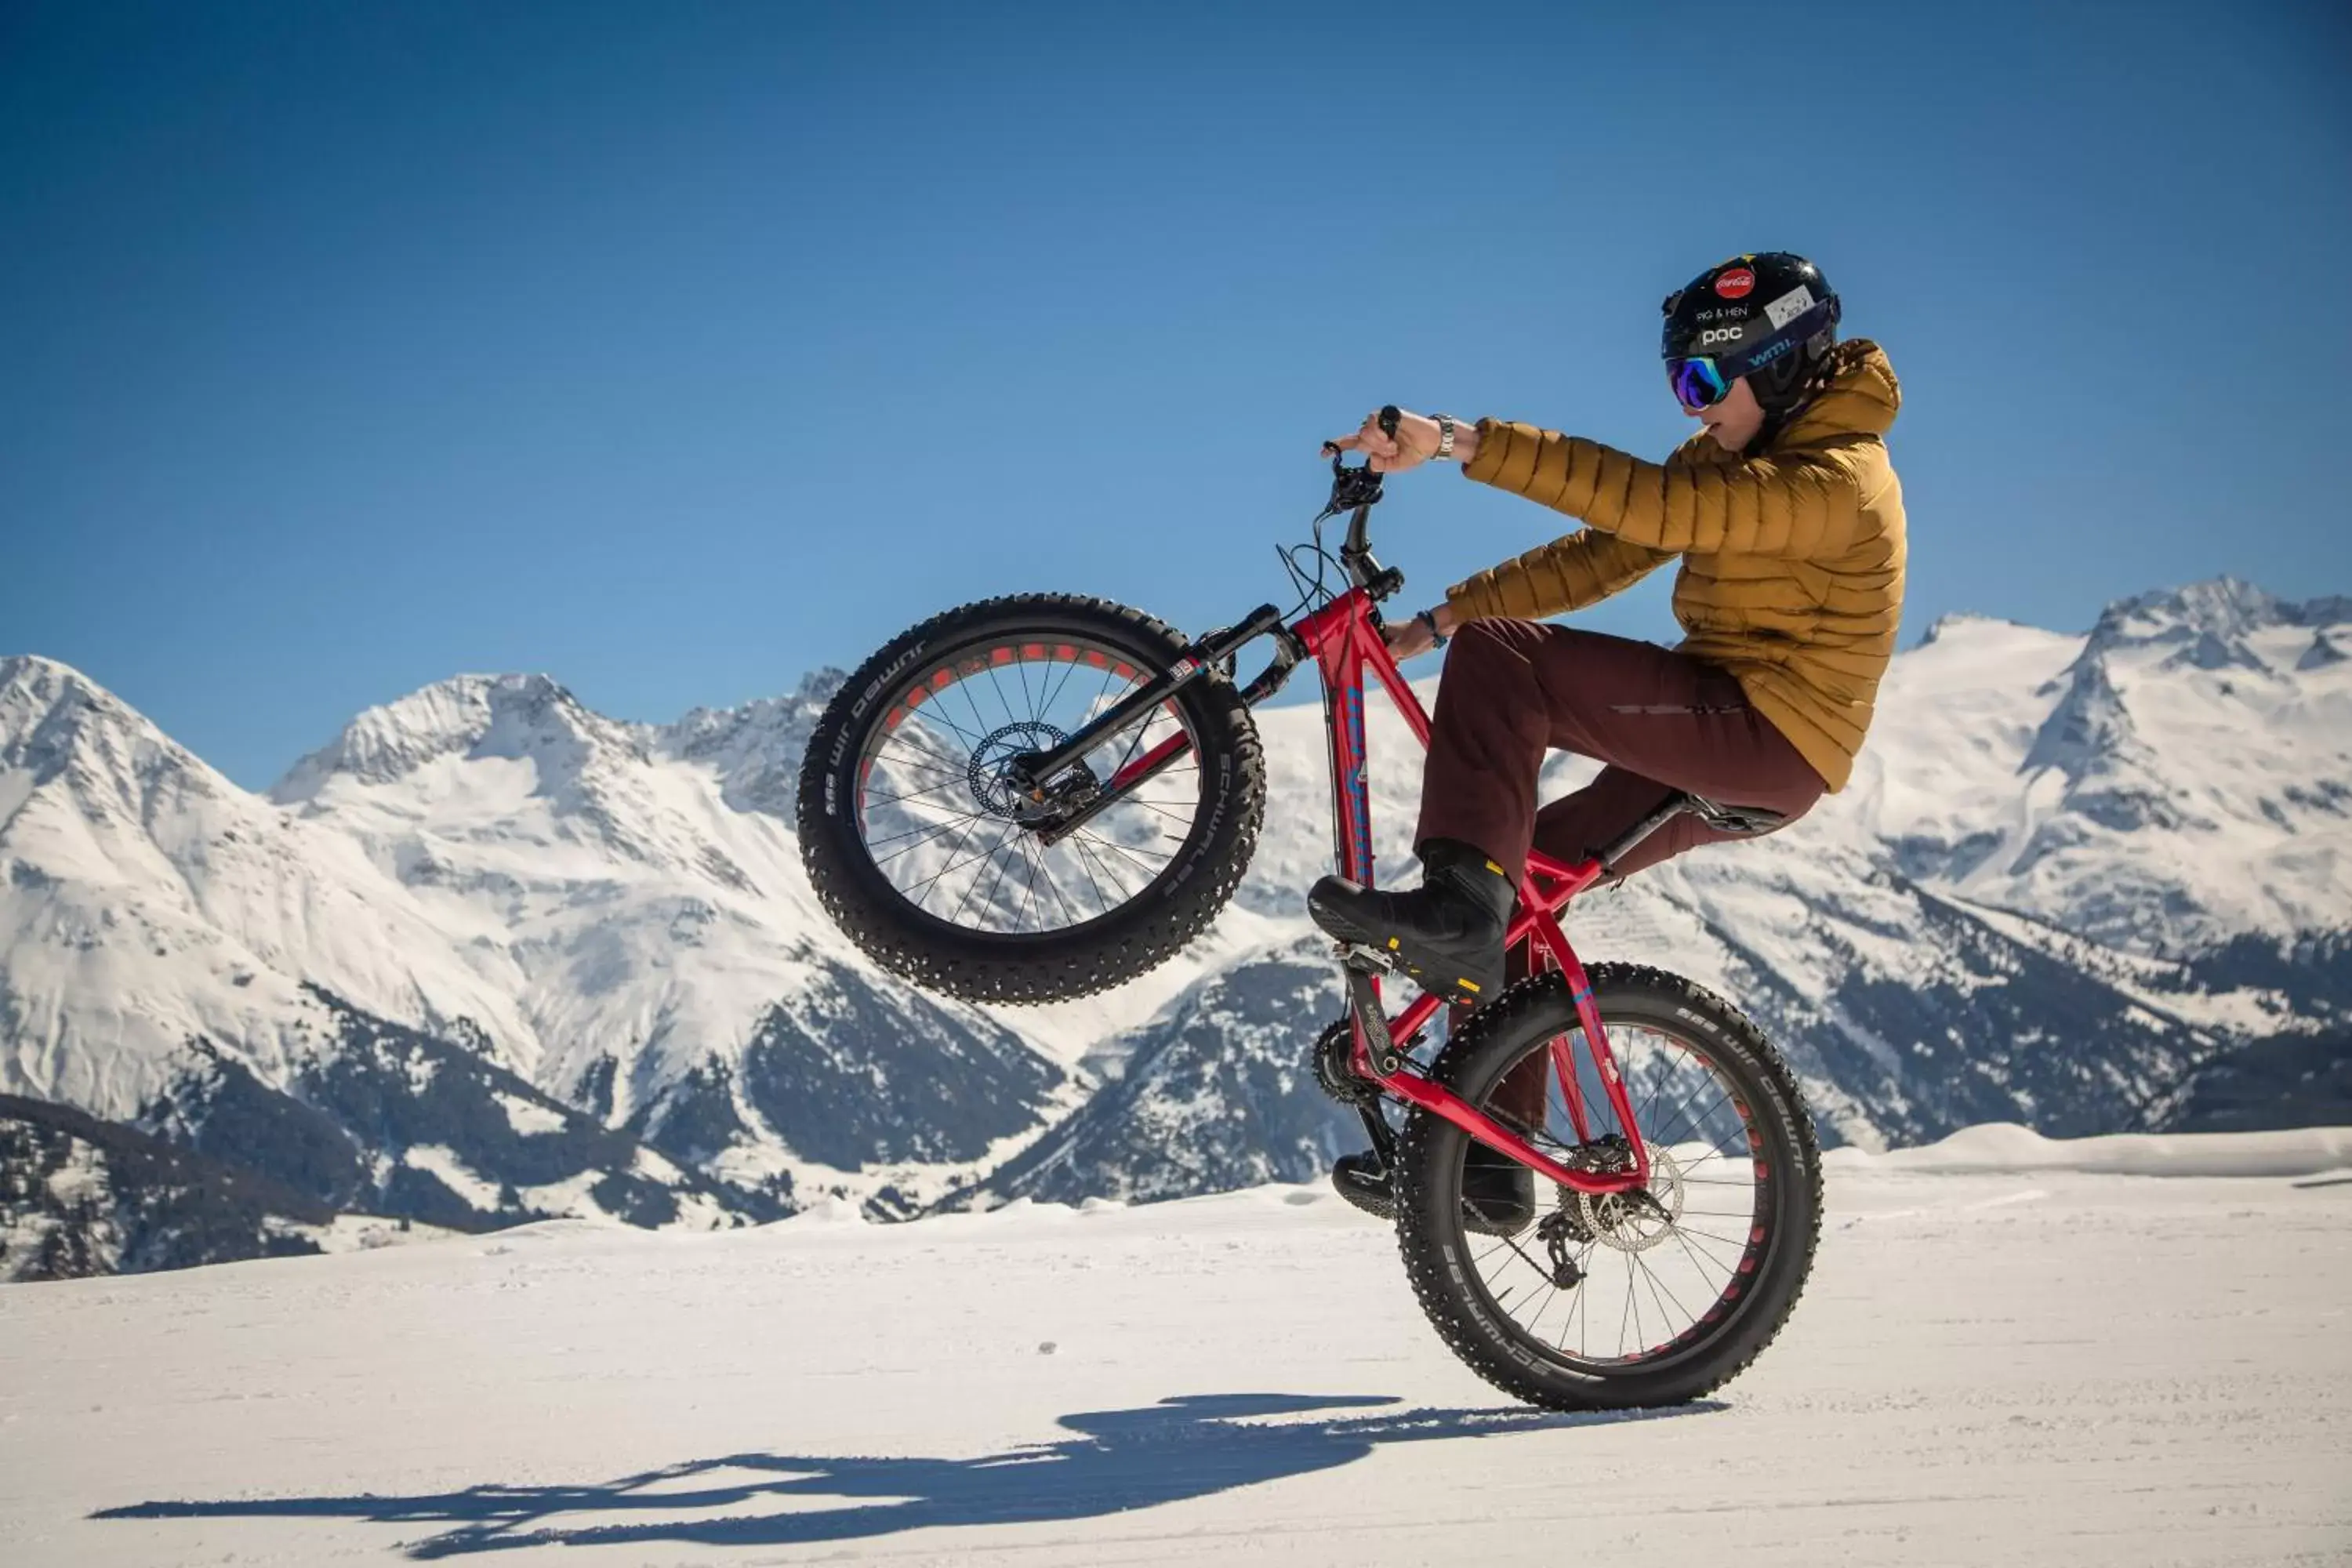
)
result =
(1356, 490)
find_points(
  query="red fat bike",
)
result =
(1039, 796)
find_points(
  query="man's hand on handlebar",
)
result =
(1415, 443)
(1410, 638)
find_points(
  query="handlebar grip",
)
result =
(1389, 414)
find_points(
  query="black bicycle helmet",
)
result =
(1770, 316)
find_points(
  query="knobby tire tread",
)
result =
(1047, 967)
(1421, 1233)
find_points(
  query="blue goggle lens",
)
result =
(1697, 382)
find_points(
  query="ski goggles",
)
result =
(1702, 381)
(1698, 382)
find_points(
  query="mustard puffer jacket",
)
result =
(1793, 558)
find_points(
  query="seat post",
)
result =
(1673, 807)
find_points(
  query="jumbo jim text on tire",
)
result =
(1044, 966)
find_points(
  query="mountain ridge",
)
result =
(2073, 870)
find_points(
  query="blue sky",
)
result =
(676, 349)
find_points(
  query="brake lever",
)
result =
(1358, 486)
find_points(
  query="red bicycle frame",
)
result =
(1344, 642)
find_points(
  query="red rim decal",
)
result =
(1735, 283)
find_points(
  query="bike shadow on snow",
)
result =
(1188, 1446)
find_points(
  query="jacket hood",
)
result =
(1861, 398)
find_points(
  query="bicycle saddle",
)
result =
(1741, 821)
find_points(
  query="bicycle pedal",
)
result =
(1458, 988)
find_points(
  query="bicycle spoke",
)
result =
(929, 830)
(933, 710)
(984, 727)
(1029, 873)
(988, 899)
(915, 795)
(932, 880)
(1132, 851)
(1086, 862)
(1009, 829)
(1054, 696)
(1658, 1287)
(947, 765)
(1054, 887)
(1009, 713)
(943, 824)
(1696, 1262)
(1659, 1264)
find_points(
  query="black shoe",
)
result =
(1363, 1181)
(1498, 1194)
(1447, 934)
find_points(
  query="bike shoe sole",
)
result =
(1438, 973)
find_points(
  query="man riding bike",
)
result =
(1787, 518)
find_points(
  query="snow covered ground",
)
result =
(2011, 1353)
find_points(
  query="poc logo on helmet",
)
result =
(1718, 335)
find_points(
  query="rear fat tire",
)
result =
(1428, 1162)
(1031, 967)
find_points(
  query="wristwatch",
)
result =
(1445, 435)
(1429, 618)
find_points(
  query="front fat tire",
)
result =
(983, 967)
(1429, 1160)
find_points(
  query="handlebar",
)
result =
(1356, 491)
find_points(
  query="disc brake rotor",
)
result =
(1638, 1220)
(985, 773)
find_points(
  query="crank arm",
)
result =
(1364, 1001)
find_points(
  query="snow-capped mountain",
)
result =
(2181, 775)
(638, 893)
(185, 958)
(151, 901)
(489, 942)
(1216, 1092)
(2072, 871)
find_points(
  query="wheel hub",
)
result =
(989, 775)
(1640, 1217)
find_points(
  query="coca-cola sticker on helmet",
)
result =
(1734, 284)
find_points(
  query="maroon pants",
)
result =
(1659, 720)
